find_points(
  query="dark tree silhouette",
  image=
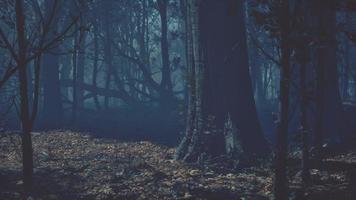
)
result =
(220, 84)
(281, 181)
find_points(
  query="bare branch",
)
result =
(8, 45)
(263, 51)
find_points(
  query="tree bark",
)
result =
(166, 82)
(219, 72)
(27, 152)
(281, 181)
(328, 101)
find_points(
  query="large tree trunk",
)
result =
(237, 84)
(328, 101)
(188, 149)
(303, 58)
(222, 91)
(27, 152)
(333, 107)
(281, 181)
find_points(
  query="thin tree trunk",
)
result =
(166, 82)
(74, 76)
(36, 92)
(319, 106)
(81, 63)
(27, 152)
(303, 124)
(95, 65)
(346, 71)
(108, 56)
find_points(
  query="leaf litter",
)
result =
(70, 165)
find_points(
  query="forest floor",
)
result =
(70, 165)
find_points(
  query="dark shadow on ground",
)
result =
(48, 184)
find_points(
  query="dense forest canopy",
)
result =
(265, 86)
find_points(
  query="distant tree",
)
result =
(96, 61)
(108, 49)
(166, 82)
(81, 65)
(78, 60)
(74, 75)
(132, 40)
(52, 97)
